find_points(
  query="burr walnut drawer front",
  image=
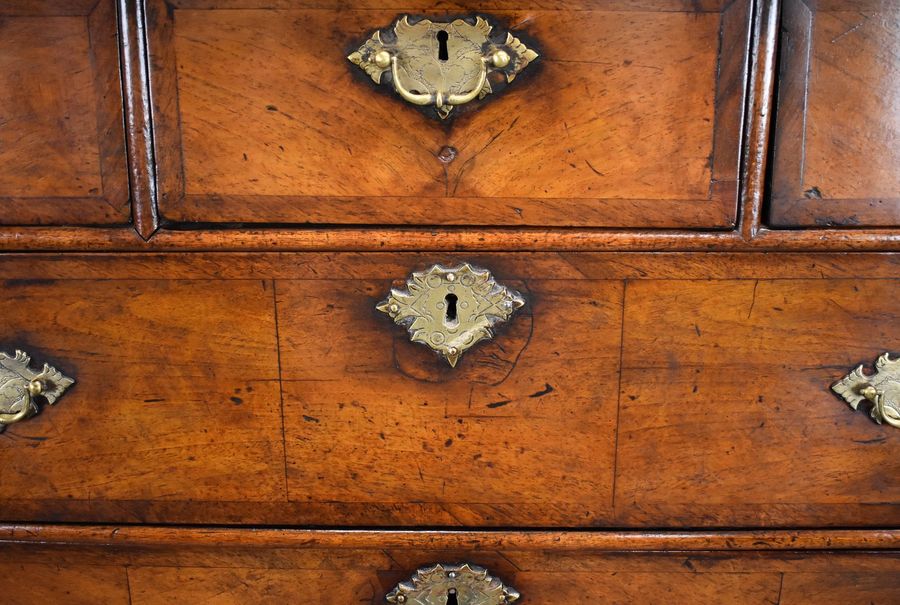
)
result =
(619, 394)
(836, 129)
(62, 142)
(626, 115)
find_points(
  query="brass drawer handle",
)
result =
(882, 389)
(20, 386)
(462, 584)
(442, 64)
(450, 309)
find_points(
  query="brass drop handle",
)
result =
(442, 64)
(20, 385)
(882, 389)
(463, 584)
(25, 404)
(883, 410)
(438, 98)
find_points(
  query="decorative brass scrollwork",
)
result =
(20, 387)
(442, 64)
(465, 584)
(882, 389)
(451, 309)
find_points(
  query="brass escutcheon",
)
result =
(450, 309)
(463, 584)
(442, 65)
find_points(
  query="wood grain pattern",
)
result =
(641, 131)
(30, 583)
(73, 239)
(62, 149)
(513, 435)
(758, 124)
(377, 431)
(240, 586)
(338, 568)
(836, 146)
(385, 266)
(696, 6)
(176, 395)
(261, 539)
(139, 127)
(841, 589)
(725, 416)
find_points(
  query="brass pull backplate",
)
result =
(450, 309)
(882, 389)
(442, 65)
(21, 387)
(463, 584)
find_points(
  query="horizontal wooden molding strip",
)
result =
(441, 239)
(137, 536)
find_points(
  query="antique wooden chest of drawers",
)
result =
(450, 302)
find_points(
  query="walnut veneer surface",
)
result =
(201, 202)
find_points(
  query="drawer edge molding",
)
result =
(539, 540)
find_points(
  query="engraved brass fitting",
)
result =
(882, 389)
(442, 65)
(466, 584)
(20, 386)
(451, 309)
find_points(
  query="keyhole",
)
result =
(451, 597)
(442, 37)
(450, 318)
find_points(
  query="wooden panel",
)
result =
(275, 125)
(724, 419)
(54, 584)
(62, 150)
(726, 415)
(160, 586)
(336, 568)
(176, 397)
(155, 586)
(841, 589)
(521, 433)
(697, 6)
(836, 149)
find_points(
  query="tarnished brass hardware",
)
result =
(881, 388)
(20, 386)
(451, 309)
(442, 64)
(469, 584)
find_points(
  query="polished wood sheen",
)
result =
(836, 150)
(202, 201)
(62, 147)
(336, 568)
(714, 411)
(260, 118)
(171, 403)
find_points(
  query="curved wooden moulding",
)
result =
(452, 540)
(150, 565)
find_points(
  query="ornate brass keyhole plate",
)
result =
(463, 584)
(442, 65)
(450, 309)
